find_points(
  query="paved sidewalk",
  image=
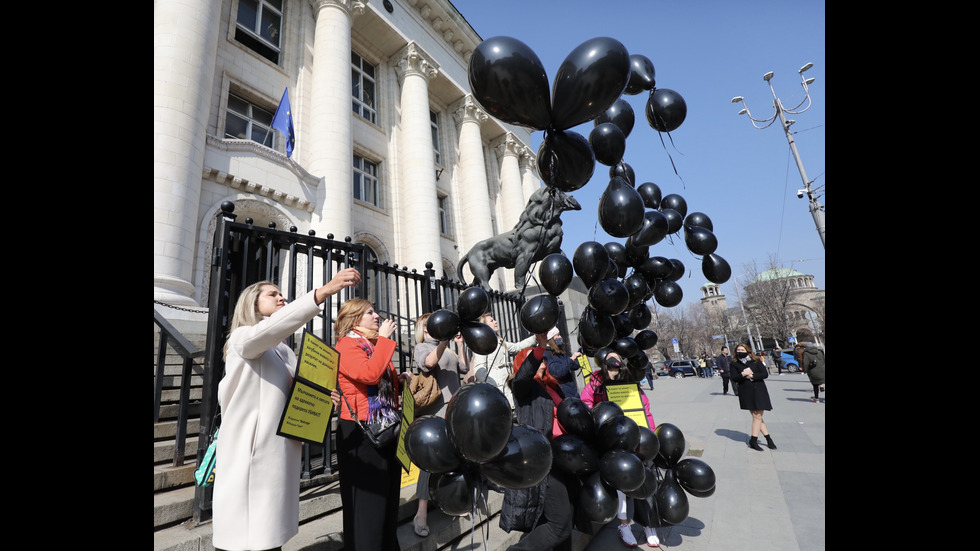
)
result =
(773, 500)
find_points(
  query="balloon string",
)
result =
(661, 134)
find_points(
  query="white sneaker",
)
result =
(651, 534)
(626, 535)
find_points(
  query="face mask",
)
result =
(559, 341)
(613, 363)
(741, 354)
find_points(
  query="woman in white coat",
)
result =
(496, 367)
(256, 490)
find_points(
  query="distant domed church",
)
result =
(804, 310)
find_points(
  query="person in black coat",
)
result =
(544, 511)
(723, 363)
(750, 375)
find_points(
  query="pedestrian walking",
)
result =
(724, 363)
(777, 357)
(812, 362)
(750, 375)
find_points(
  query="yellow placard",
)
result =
(627, 397)
(318, 362)
(408, 415)
(410, 477)
(307, 413)
(583, 361)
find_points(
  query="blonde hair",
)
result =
(419, 326)
(348, 316)
(485, 316)
(247, 309)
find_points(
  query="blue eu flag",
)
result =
(283, 122)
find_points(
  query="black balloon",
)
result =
(540, 313)
(671, 500)
(600, 355)
(676, 202)
(588, 81)
(636, 254)
(694, 475)
(575, 417)
(443, 324)
(672, 443)
(574, 455)
(702, 494)
(653, 230)
(604, 411)
(472, 303)
(640, 318)
(453, 492)
(510, 83)
(646, 339)
(648, 446)
(624, 171)
(479, 337)
(619, 113)
(565, 160)
(668, 294)
(637, 287)
(597, 330)
(619, 432)
(651, 194)
(699, 219)
(674, 219)
(609, 297)
(608, 143)
(617, 253)
(642, 75)
(590, 262)
(598, 500)
(621, 469)
(428, 445)
(625, 347)
(715, 268)
(614, 270)
(647, 489)
(556, 273)
(620, 209)
(700, 240)
(656, 267)
(623, 326)
(524, 461)
(666, 110)
(479, 419)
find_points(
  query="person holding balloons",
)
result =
(544, 510)
(434, 357)
(614, 369)
(494, 368)
(748, 372)
(560, 365)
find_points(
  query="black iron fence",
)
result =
(244, 254)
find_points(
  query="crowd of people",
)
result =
(256, 494)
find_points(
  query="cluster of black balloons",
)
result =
(444, 324)
(601, 446)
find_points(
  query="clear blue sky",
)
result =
(709, 51)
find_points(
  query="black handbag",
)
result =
(381, 436)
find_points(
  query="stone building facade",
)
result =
(391, 149)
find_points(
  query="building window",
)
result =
(444, 226)
(260, 27)
(247, 121)
(434, 123)
(363, 83)
(367, 187)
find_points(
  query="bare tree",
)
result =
(767, 299)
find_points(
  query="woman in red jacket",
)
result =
(369, 477)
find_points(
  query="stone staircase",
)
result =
(321, 521)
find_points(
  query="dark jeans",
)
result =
(724, 386)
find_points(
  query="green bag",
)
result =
(204, 475)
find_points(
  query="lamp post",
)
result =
(816, 209)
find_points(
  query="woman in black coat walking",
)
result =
(748, 372)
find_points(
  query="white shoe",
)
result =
(626, 535)
(651, 534)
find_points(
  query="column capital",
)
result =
(411, 59)
(528, 157)
(507, 145)
(352, 7)
(467, 109)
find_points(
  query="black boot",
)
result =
(754, 443)
(772, 445)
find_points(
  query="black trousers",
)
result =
(554, 531)
(370, 481)
(724, 386)
(816, 390)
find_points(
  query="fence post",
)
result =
(430, 293)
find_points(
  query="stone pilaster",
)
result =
(475, 200)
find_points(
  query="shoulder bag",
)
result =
(204, 475)
(425, 389)
(381, 436)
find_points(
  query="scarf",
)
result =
(382, 399)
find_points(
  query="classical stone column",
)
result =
(475, 200)
(418, 200)
(331, 139)
(183, 78)
(529, 175)
(511, 193)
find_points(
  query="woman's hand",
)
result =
(335, 398)
(348, 277)
(747, 372)
(387, 329)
